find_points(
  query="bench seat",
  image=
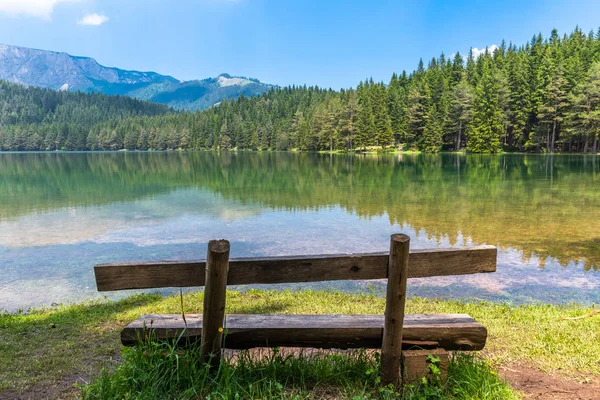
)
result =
(243, 331)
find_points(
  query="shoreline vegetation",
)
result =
(367, 151)
(57, 347)
(542, 97)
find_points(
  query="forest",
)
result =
(42, 119)
(543, 96)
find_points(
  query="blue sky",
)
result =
(328, 43)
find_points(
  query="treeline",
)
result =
(42, 119)
(543, 96)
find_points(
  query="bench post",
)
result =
(391, 349)
(213, 317)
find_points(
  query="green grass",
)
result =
(155, 371)
(85, 337)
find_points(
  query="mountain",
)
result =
(203, 94)
(61, 71)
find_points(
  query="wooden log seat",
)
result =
(244, 331)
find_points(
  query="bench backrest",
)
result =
(295, 269)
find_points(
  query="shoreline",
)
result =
(387, 151)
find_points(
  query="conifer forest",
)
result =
(543, 96)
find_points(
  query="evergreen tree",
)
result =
(462, 111)
(417, 114)
(458, 67)
(584, 116)
(554, 106)
(396, 107)
(486, 126)
(351, 114)
(384, 135)
(366, 120)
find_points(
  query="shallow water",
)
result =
(61, 213)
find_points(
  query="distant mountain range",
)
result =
(61, 71)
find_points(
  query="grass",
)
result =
(74, 342)
(159, 371)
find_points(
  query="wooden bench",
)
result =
(391, 332)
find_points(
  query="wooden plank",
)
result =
(245, 271)
(449, 331)
(217, 266)
(391, 348)
(122, 276)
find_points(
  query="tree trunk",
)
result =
(509, 137)
(586, 145)
(553, 137)
(595, 147)
(459, 134)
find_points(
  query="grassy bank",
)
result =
(73, 343)
(159, 371)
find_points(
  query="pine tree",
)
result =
(397, 98)
(554, 105)
(431, 138)
(518, 100)
(470, 69)
(298, 129)
(486, 127)
(351, 113)
(462, 110)
(224, 138)
(584, 114)
(458, 67)
(366, 121)
(417, 113)
(384, 135)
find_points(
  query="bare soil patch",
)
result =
(61, 390)
(538, 385)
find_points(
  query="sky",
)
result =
(330, 43)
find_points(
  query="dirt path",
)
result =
(538, 385)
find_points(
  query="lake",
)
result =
(62, 213)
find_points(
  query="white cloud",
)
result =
(477, 52)
(93, 19)
(31, 8)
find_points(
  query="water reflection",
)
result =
(62, 213)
